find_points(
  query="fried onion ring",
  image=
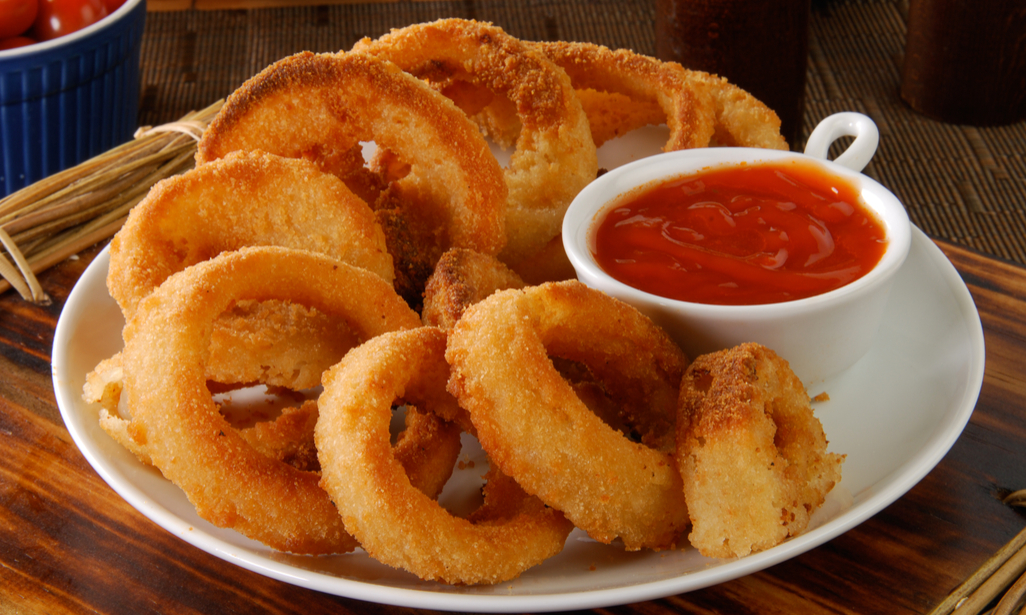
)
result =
(750, 451)
(688, 113)
(321, 107)
(510, 533)
(700, 109)
(245, 199)
(554, 156)
(742, 120)
(534, 427)
(175, 420)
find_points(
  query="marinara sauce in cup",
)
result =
(721, 246)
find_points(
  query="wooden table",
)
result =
(68, 543)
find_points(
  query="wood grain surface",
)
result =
(70, 544)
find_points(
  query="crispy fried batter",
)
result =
(752, 455)
(461, 279)
(245, 199)
(700, 109)
(741, 119)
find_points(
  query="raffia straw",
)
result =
(48, 221)
(993, 577)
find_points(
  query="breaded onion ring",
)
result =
(180, 427)
(742, 120)
(554, 156)
(534, 427)
(752, 455)
(461, 279)
(510, 534)
(321, 107)
(700, 109)
(245, 199)
(688, 113)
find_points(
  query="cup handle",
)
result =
(848, 124)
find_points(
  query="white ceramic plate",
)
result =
(895, 414)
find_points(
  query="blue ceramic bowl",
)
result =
(66, 100)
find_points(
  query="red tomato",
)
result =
(60, 17)
(15, 42)
(18, 16)
(113, 5)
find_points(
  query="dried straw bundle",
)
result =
(61, 215)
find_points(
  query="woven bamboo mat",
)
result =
(960, 183)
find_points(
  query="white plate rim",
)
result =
(897, 483)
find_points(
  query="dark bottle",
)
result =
(761, 46)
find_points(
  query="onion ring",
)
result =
(688, 113)
(555, 155)
(742, 120)
(250, 198)
(174, 418)
(750, 451)
(539, 432)
(512, 531)
(700, 109)
(245, 199)
(322, 106)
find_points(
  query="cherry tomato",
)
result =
(113, 5)
(15, 42)
(18, 16)
(60, 17)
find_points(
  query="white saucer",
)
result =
(895, 414)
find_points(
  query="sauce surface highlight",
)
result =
(741, 235)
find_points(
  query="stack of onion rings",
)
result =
(175, 420)
(248, 199)
(575, 397)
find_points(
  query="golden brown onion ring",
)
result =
(750, 451)
(245, 199)
(322, 106)
(536, 429)
(687, 113)
(512, 532)
(742, 120)
(554, 156)
(700, 109)
(181, 428)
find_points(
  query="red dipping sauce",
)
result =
(741, 235)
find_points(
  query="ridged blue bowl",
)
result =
(69, 99)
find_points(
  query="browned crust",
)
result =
(461, 279)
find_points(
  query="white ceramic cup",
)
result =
(820, 336)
